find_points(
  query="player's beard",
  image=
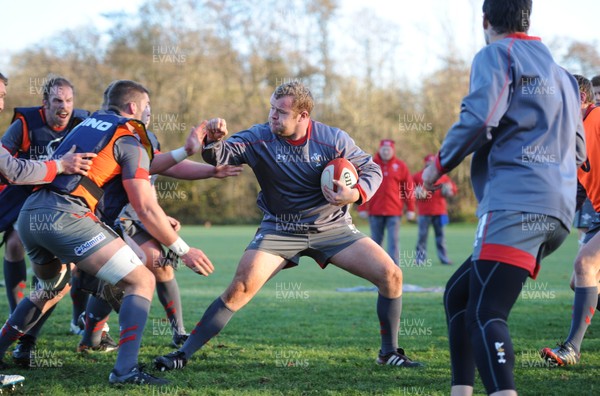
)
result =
(56, 121)
(278, 130)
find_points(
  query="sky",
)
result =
(424, 29)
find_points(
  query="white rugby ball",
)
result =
(339, 169)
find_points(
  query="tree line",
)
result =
(203, 59)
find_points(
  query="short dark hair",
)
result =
(4, 79)
(508, 16)
(585, 86)
(104, 105)
(596, 81)
(302, 98)
(122, 92)
(55, 81)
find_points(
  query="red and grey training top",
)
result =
(522, 121)
(289, 174)
(22, 171)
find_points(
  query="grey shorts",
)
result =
(518, 238)
(50, 233)
(135, 229)
(321, 246)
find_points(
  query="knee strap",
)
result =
(119, 265)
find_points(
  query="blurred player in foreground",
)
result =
(522, 122)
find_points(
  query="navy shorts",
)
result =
(593, 228)
(585, 216)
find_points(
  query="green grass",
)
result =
(332, 338)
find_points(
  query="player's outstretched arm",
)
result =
(193, 144)
(22, 171)
(139, 192)
(191, 170)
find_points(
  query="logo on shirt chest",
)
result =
(386, 170)
(292, 154)
(316, 158)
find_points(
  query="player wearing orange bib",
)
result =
(586, 266)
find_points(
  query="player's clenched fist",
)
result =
(197, 261)
(216, 129)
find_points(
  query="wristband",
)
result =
(179, 154)
(179, 247)
(59, 167)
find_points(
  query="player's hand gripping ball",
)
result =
(339, 169)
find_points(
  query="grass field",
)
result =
(300, 336)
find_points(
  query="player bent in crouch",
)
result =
(322, 227)
(84, 240)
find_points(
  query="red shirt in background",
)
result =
(435, 203)
(395, 190)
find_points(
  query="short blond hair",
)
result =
(302, 98)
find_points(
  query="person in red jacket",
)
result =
(386, 207)
(431, 206)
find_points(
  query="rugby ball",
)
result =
(339, 169)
